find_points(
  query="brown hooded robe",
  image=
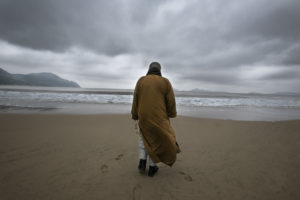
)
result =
(153, 104)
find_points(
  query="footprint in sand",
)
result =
(136, 192)
(119, 157)
(186, 176)
(104, 169)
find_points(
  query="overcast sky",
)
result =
(232, 45)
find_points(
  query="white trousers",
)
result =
(143, 153)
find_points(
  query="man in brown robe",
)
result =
(153, 105)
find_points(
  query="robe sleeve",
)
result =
(134, 109)
(170, 101)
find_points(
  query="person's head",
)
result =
(154, 68)
(155, 65)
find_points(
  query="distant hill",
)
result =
(35, 79)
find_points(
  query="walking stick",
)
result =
(136, 127)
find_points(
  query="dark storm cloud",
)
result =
(292, 56)
(33, 24)
(268, 20)
(220, 78)
(58, 25)
(289, 74)
(209, 42)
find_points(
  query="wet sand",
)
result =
(96, 157)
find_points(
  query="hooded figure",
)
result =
(153, 105)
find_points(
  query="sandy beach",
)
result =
(95, 157)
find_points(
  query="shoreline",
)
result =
(214, 105)
(191, 117)
(222, 113)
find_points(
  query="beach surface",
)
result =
(50, 156)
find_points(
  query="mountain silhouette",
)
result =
(35, 79)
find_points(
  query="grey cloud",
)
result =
(267, 20)
(33, 24)
(289, 74)
(292, 56)
(210, 40)
(98, 76)
(59, 25)
(216, 77)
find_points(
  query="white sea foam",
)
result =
(282, 102)
(31, 98)
(100, 101)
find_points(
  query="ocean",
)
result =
(217, 105)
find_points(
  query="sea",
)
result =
(203, 104)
